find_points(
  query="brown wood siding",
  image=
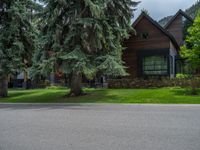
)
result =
(156, 40)
(176, 29)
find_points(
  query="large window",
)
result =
(155, 65)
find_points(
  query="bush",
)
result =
(183, 76)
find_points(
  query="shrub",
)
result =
(183, 76)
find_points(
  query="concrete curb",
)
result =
(100, 104)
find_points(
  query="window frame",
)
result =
(155, 65)
(145, 35)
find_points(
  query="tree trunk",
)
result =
(25, 84)
(3, 87)
(52, 79)
(76, 85)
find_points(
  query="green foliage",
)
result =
(191, 51)
(85, 36)
(183, 76)
(193, 10)
(145, 11)
(16, 35)
(186, 25)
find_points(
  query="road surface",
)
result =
(99, 127)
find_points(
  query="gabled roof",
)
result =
(165, 32)
(180, 12)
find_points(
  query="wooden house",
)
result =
(152, 51)
(178, 26)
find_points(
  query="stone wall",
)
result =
(153, 83)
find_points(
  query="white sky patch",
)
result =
(162, 8)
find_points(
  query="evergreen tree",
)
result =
(145, 11)
(84, 38)
(16, 39)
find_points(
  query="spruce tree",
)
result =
(84, 38)
(16, 39)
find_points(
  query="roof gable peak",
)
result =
(180, 12)
(156, 24)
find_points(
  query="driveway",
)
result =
(99, 127)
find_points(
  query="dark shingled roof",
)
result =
(155, 23)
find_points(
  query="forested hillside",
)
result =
(164, 21)
(192, 11)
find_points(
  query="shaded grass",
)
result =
(56, 95)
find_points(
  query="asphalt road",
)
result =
(99, 127)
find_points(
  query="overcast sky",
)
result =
(162, 8)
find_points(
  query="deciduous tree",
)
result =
(191, 51)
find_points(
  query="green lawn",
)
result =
(162, 95)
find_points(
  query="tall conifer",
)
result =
(84, 38)
(16, 39)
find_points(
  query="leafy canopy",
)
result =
(191, 50)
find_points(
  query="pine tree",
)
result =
(84, 38)
(16, 39)
(145, 11)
